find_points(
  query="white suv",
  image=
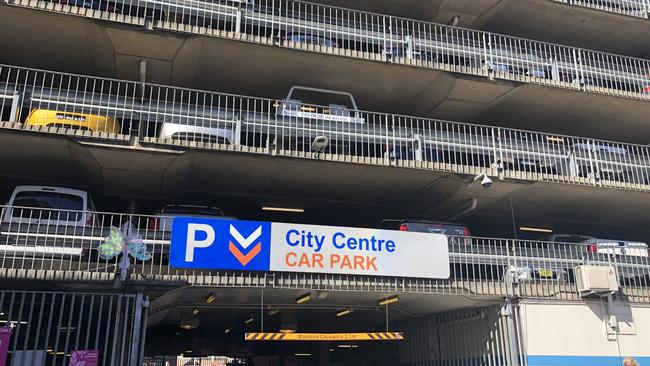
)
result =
(45, 205)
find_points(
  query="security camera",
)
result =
(486, 182)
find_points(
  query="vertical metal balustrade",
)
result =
(352, 33)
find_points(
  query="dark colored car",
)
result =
(94, 4)
(398, 51)
(310, 39)
(454, 230)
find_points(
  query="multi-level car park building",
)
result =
(524, 120)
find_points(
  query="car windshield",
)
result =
(51, 205)
(436, 228)
(574, 239)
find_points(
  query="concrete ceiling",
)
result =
(545, 20)
(113, 50)
(332, 193)
(233, 306)
(246, 302)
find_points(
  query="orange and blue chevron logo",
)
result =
(240, 246)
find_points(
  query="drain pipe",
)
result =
(507, 312)
(141, 89)
(470, 207)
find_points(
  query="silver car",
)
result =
(210, 133)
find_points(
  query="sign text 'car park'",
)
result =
(265, 246)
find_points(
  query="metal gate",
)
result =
(48, 327)
(489, 336)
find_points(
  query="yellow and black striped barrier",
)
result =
(325, 337)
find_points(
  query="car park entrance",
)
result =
(260, 327)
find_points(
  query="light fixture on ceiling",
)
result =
(344, 312)
(249, 320)
(302, 354)
(283, 209)
(535, 229)
(272, 311)
(288, 326)
(303, 298)
(196, 311)
(189, 322)
(227, 330)
(210, 299)
(388, 300)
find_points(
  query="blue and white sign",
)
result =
(265, 246)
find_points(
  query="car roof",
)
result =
(41, 188)
(174, 205)
(423, 221)
(598, 240)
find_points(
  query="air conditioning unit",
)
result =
(600, 280)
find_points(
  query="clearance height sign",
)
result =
(265, 246)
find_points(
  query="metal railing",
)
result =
(46, 243)
(189, 360)
(635, 8)
(120, 111)
(477, 337)
(352, 33)
(48, 327)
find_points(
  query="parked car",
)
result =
(566, 238)
(292, 107)
(210, 133)
(408, 152)
(401, 52)
(310, 39)
(72, 120)
(94, 4)
(616, 247)
(46, 205)
(455, 230)
(519, 62)
(162, 221)
(515, 274)
(50, 221)
(576, 246)
(584, 153)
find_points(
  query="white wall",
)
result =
(581, 329)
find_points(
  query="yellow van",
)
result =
(79, 121)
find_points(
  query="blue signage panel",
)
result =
(265, 246)
(220, 244)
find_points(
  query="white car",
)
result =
(616, 247)
(295, 108)
(46, 205)
(49, 221)
(186, 132)
(516, 274)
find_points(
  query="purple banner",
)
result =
(84, 358)
(5, 336)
